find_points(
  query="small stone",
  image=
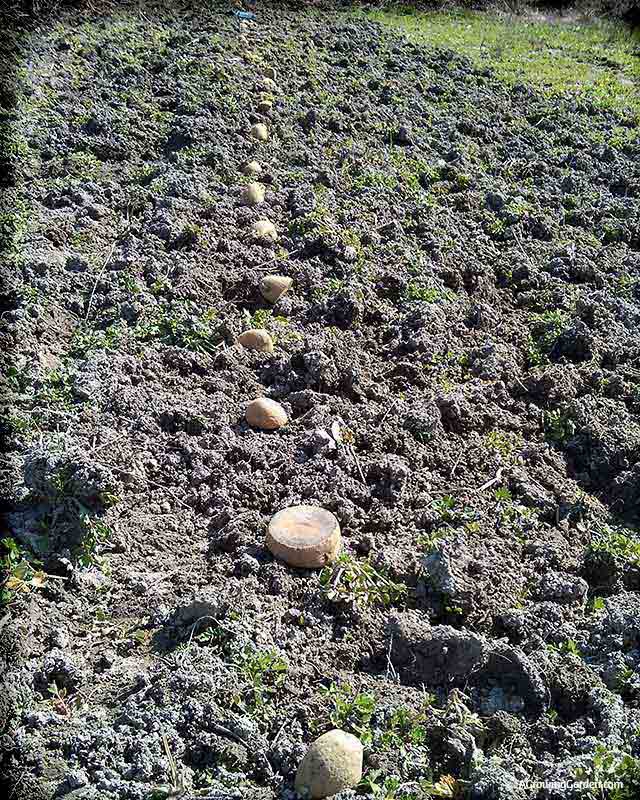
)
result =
(263, 229)
(269, 73)
(265, 106)
(253, 194)
(260, 132)
(320, 441)
(251, 168)
(272, 287)
(265, 414)
(332, 763)
(304, 536)
(256, 339)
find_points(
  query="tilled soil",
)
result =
(459, 359)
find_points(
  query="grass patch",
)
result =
(595, 59)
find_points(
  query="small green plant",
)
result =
(552, 715)
(618, 543)
(445, 507)
(404, 726)
(351, 711)
(264, 672)
(264, 318)
(503, 495)
(558, 426)
(86, 339)
(611, 765)
(360, 583)
(21, 574)
(181, 324)
(625, 285)
(544, 331)
(56, 390)
(451, 516)
(427, 294)
(95, 533)
(446, 786)
(500, 442)
(569, 646)
(21, 424)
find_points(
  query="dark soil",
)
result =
(465, 310)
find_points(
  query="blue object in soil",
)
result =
(244, 14)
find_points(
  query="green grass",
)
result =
(592, 59)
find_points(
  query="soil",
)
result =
(458, 357)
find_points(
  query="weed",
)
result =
(503, 495)
(569, 646)
(404, 725)
(613, 766)
(21, 574)
(445, 786)
(60, 700)
(86, 339)
(349, 711)
(264, 672)
(427, 294)
(619, 543)
(558, 426)
(56, 391)
(545, 329)
(552, 715)
(626, 285)
(360, 583)
(95, 533)
(21, 425)
(500, 442)
(181, 325)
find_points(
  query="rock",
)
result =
(272, 287)
(260, 132)
(320, 441)
(256, 339)
(332, 763)
(263, 229)
(253, 194)
(266, 414)
(265, 106)
(269, 73)
(251, 168)
(304, 536)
